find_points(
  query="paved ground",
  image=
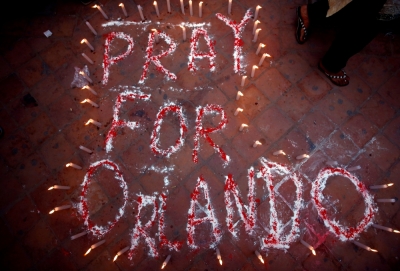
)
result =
(288, 105)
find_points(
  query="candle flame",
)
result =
(115, 258)
(244, 76)
(313, 252)
(373, 250)
(87, 252)
(85, 87)
(390, 184)
(262, 45)
(121, 5)
(163, 265)
(268, 55)
(52, 211)
(240, 93)
(84, 101)
(82, 41)
(51, 188)
(396, 231)
(255, 67)
(201, 3)
(81, 73)
(155, 3)
(259, 6)
(88, 122)
(95, 6)
(258, 29)
(68, 165)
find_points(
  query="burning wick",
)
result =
(237, 111)
(219, 256)
(381, 186)
(91, 102)
(91, 28)
(230, 7)
(88, 44)
(256, 34)
(243, 80)
(86, 77)
(201, 9)
(303, 156)
(59, 187)
(259, 256)
(257, 143)
(119, 253)
(364, 246)
(385, 228)
(184, 32)
(354, 168)
(85, 149)
(60, 208)
(76, 236)
(90, 89)
(307, 245)
(386, 200)
(257, 10)
(238, 95)
(87, 58)
(164, 264)
(140, 12)
(156, 7)
(101, 10)
(98, 124)
(253, 71)
(182, 8)
(263, 58)
(279, 152)
(94, 246)
(123, 9)
(73, 165)
(261, 45)
(243, 126)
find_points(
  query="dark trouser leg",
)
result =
(317, 11)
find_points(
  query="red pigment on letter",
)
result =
(194, 50)
(175, 245)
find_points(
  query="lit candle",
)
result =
(332, 163)
(201, 9)
(156, 35)
(73, 237)
(59, 187)
(384, 228)
(184, 32)
(140, 12)
(219, 256)
(182, 8)
(257, 10)
(91, 102)
(90, 89)
(123, 9)
(255, 26)
(386, 200)
(190, 7)
(256, 34)
(169, 6)
(156, 7)
(73, 165)
(259, 256)
(237, 111)
(364, 246)
(262, 59)
(101, 10)
(64, 207)
(230, 7)
(164, 264)
(243, 80)
(253, 71)
(243, 126)
(87, 58)
(88, 44)
(91, 28)
(308, 246)
(94, 246)
(85, 149)
(279, 152)
(98, 124)
(257, 143)
(86, 77)
(303, 156)
(261, 45)
(354, 168)
(119, 253)
(238, 95)
(380, 186)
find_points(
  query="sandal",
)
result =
(340, 78)
(301, 30)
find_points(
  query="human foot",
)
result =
(303, 24)
(340, 78)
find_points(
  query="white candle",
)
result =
(169, 6)
(190, 8)
(90, 89)
(59, 187)
(385, 228)
(64, 207)
(237, 111)
(123, 9)
(73, 165)
(164, 264)
(256, 34)
(91, 102)
(354, 168)
(364, 246)
(86, 77)
(257, 10)
(73, 237)
(184, 32)
(380, 186)
(238, 95)
(243, 80)
(201, 9)
(219, 256)
(243, 126)
(262, 59)
(119, 253)
(98, 124)
(85, 149)
(88, 44)
(155, 35)
(87, 58)
(94, 246)
(182, 8)
(257, 143)
(261, 45)
(303, 156)
(156, 7)
(255, 26)
(253, 70)
(279, 152)
(386, 200)
(230, 7)
(101, 10)
(332, 163)
(308, 246)
(140, 12)
(91, 28)
(259, 256)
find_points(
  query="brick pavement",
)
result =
(288, 105)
